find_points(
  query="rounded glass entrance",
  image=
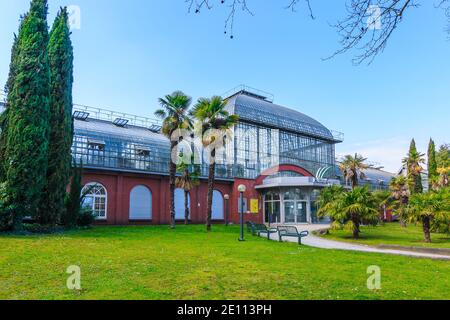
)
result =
(287, 205)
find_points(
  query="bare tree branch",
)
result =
(367, 28)
(233, 6)
(369, 25)
(445, 6)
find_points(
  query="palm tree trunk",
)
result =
(186, 207)
(426, 229)
(211, 174)
(403, 204)
(354, 181)
(356, 229)
(172, 173)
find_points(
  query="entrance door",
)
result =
(289, 212)
(272, 212)
(295, 212)
(301, 212)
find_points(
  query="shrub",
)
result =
(85, 218)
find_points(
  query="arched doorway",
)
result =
(179, 204)
(140, 203)
(217, 206)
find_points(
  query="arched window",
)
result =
(217, 206)
(95, 197)
(140, 203)
(179, 204)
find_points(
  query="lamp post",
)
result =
(227, 199)
(241, 190)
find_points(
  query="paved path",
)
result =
(318, 242)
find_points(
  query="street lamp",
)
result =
(241, 190)
(227, 198)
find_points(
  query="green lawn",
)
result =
(157, 263)
(392, 234)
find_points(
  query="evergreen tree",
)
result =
(28, 112)
(413, 165)
(4, 115)
(72, 202)
(432, 165)
(443, 156)
(60, 54)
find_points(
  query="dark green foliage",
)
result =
(61, 124)
(4, 115)
(443, 156)
(12, 65)
(86, 218)
(72, 201)
(432, 165)
(28, 113)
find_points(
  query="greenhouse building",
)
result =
(282, 156)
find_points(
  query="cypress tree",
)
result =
(4, 115)
(28, 112)
(60, 54)
(432, 165)
(72, 201)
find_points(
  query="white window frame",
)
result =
(95, 196)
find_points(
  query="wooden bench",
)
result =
(291, 231)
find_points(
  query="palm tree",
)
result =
(214, 120)
(187, 181)
(325, 202)
(384, 201)
(174, 113)
(351, 209)
(444, 174)
(428, 207)
(413, 165)
(327, 197)
(353, 168)
(400, 191)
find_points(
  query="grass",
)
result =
(392, 234)
(188, 263)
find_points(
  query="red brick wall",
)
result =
(251, 193)
(119, 186)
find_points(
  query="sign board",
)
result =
(254, 206)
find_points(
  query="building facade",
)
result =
(282, 156)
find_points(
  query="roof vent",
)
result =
(81, 115)
(120, 122)
(155, 128)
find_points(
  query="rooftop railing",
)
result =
(114, 116)
(338, 136)
(251, 91)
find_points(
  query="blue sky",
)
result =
(129, 53)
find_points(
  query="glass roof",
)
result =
(266, 113)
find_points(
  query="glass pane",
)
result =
(276, 217)
(289, 195)
(88, 202)
(301, 212)
(289, 212)
(267, 212)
